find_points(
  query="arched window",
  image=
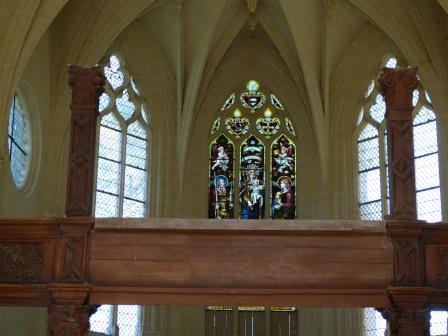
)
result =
(252, 158)
(373, 189)
(373, 194)
(19, 141)
(122, 174)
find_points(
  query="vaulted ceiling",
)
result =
(318, 44)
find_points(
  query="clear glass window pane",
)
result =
(439, 323)
(374, 323)
(428, 205)
(102, 320)
(129, 320)
(18, 142)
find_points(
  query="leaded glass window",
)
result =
(19, 141)
(373, 189)
(122, 172)
(252, 158)
(221, 179)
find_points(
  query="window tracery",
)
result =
(122, 166)
(253, 143)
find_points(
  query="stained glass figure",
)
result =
(276, 102)
(283, 179)
(237, 125)
(252, 99)
(268, 125)
(229, 102)
(289, 126)
(221, 179)
(216, 125)
(252, 179)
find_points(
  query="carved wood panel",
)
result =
(21, 262)
(437, 265)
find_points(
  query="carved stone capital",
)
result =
(69, 320)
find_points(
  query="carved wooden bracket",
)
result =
(408, 314)
(87, 84)
(397, 86)
(68, 315)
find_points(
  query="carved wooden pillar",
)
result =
(408, 314)
(87, 85)
(68, 313)
(397, 86)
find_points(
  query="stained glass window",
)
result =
(373, 188)
(283, 179)
(19, 139)
(221, 179)
(252, 180)
(122, 174)
(253, 161)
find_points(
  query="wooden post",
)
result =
(408, 314)
(397, 86)
(87, 84)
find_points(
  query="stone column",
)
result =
(407, 314)
(87, 84)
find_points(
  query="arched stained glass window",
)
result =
(221, 179)
(122, 173)
(252, 181)
(283, 178)
(373, 189)
(19, 141)
(256, 144)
